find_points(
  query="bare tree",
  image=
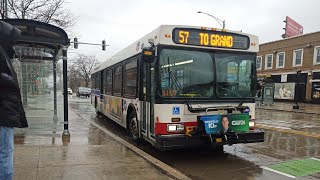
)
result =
(74, 79)
(83, 65)
(48, 11)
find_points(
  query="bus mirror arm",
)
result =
(151, 42)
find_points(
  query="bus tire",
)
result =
(133, 127)
(219, 148)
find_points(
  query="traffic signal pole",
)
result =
(76, 44)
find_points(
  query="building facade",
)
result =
(294, 65)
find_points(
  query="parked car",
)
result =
(70, 91)
(83, 91)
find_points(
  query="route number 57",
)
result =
(183, 36)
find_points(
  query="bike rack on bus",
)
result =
(218, 109)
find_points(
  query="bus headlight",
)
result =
(252, 123)
(175, 127)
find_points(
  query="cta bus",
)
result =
(182, 86)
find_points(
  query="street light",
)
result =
(223, 25)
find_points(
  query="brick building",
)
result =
(282, 59)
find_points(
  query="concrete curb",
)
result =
(171, 172)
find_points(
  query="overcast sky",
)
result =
(121, 22)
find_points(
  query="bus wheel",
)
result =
(219, 148)
(133, 126)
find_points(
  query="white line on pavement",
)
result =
(315, 159)
(278, 172)
(274, 126)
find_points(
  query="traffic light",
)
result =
(75, 43)
(103, 45)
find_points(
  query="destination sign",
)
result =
(199, 37)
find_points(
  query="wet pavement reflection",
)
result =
(42, 152)
(242, 161)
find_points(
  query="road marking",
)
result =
(315, 159)
(173, 173)
(278, 172)
(287, 124)
(271, 126)
(291, 131)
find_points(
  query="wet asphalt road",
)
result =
(283, 142)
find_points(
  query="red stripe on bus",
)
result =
(161, 128)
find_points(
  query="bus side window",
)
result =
(109, 82)
(117, 85)
(102, 82)
(105, 81)
(130, 78)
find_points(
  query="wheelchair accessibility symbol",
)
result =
(175, 110)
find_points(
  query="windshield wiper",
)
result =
(178, 85)
(240, 104)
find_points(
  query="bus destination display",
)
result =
(200, 37)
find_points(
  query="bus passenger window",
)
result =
(131, 78)
(117, 85)
(109, 82)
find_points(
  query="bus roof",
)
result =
(163, 35)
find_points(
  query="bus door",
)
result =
(147, 115)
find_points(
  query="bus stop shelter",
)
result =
(41, 74)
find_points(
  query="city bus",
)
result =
(182, 86)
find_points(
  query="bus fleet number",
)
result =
(169, 93)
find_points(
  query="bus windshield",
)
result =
(206, 75)
(235, 75)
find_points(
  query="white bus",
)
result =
(182, 86)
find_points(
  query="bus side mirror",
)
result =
(148, 55)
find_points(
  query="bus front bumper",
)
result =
(175, 141)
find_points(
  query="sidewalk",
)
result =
(306, 108)
(89, 153)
